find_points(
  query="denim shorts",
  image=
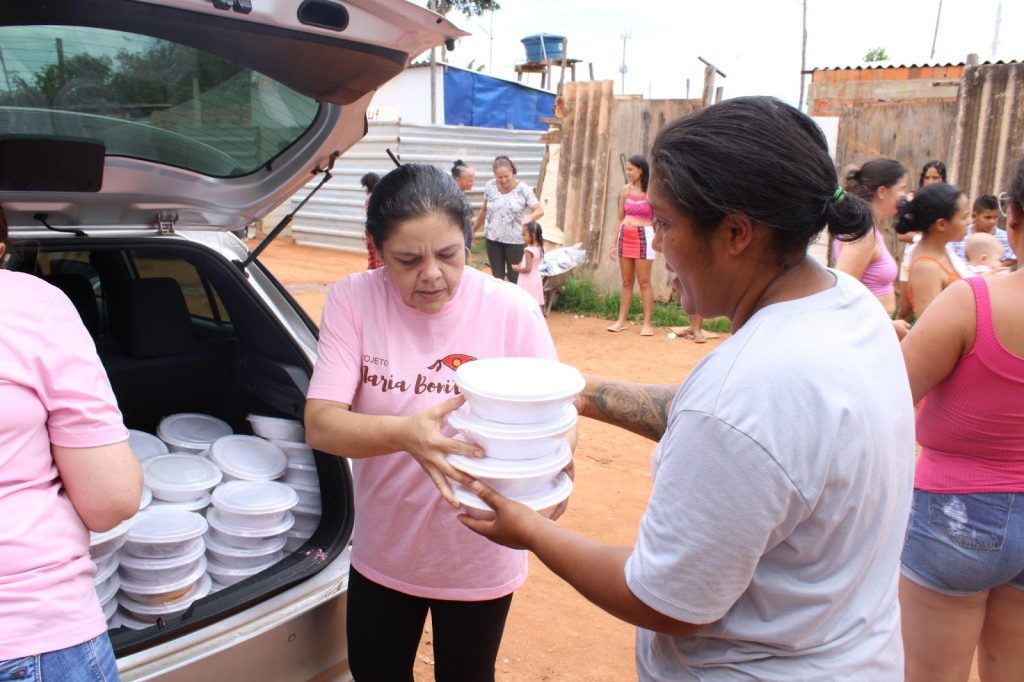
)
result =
(91, 661)
(965, 543)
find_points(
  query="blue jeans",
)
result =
(91, 661)
(960, 544)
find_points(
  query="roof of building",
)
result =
(894, 65)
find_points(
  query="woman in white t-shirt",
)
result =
(390, 342)
(770, 545)
(508, 206)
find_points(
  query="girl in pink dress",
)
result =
(529, 267)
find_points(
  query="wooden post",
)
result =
(591, 65)
(718, 94)
(561, 78)
(709, 84)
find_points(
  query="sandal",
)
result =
(647, 331)
(698, 337)
(617, 327)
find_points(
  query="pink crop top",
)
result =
(971, 425)
(636, 206)
(881, 272)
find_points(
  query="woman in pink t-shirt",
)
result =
(390, 342)
(65, 469)
(962, 587)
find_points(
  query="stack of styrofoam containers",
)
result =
(162, 566)
(191, 432)
(248, 525)
(146, 445)
(181, 481)
(519, 410)
(300, 474)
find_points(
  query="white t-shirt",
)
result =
(782, 489)
(505, 212)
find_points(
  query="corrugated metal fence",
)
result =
(335, 217)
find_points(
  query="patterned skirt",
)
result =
(635, 242)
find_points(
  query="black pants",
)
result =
(502, 257)
(385, 626)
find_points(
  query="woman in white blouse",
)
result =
(508, 205)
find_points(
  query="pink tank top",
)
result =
(971, 425)
(881, 272)
(636, 206)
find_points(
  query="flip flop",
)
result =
(700, 338)
(646, 332)
(617, 328)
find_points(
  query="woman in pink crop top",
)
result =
(883, 183)
(962, 586)
(633, 246)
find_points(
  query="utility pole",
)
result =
(803, 58)
(431, 5)
(623, 69)
(938, 16)
(490, 49)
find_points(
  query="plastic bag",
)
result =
(563, 259)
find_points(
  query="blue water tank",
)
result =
(543, 46)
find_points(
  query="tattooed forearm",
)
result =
(637, 408)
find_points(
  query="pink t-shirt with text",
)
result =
(53, 390)
(382, 356)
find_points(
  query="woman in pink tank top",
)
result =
(883, 183)
(962, 586)
(633, 245)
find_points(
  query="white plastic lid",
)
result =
(242, 532)
(157, 526)
(489, 467)
(280, 422)
(549, 496)
(520, 379)
(181, 473)
(117, 531)
(198, 504)
(313, 511)
(217, 570)
(194, 550)
(254, 497)
(272, 545)
(105, 569)
(200, 590)
(109, 588)
(146, 445)
(248, 457)
(465, 418)
(159, 587)
(122, 619)
(191, 430)
(146, 498)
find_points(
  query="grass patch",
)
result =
(579, 296)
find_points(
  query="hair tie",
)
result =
(838, 195)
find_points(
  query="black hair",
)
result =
(458, 168)
(761, 158)
(645, 171)
(937, 165)
(1017, 186)
(369, 181)
(930, 204)
(865, 181)
(500, 161)
(986, 202)
(410, 191)
(537, 233)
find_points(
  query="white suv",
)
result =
(135, 137)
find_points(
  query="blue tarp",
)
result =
(474, 99)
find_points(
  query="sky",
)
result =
(756, 43)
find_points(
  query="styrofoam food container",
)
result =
(109, 608)
(232, 557)
(294, 542)
(191, 432)
(256, 544)
(197, 505)
(248, 458)
(543, 502)
(105, 566)
(309, 495)
(178, 477)
(163, 570)
(224, 528)
(277, 427)
(122, 619)
(148, 592)
(227, 576)
(297, 452)
(107, 588)
(161, 533)
(303, 474)
(518, 390)
(305, 521)
(515, 441)
(515, 478)
(146, 445)
(102, 545)
(253, 504)
(146, 498)
(148, 613)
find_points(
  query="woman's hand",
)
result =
(431, 448)
(514, 523)
(613, 253)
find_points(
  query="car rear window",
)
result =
(146, 98)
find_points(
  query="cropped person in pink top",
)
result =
(882, 183)
(963, 562)
(65, 469)
(390, 342)
(634, 245)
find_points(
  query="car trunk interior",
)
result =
(178, 330)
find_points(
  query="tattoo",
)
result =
(634, 407)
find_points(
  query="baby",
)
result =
(984, 254)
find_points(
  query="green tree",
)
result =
(876, 54)
(471, 8)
